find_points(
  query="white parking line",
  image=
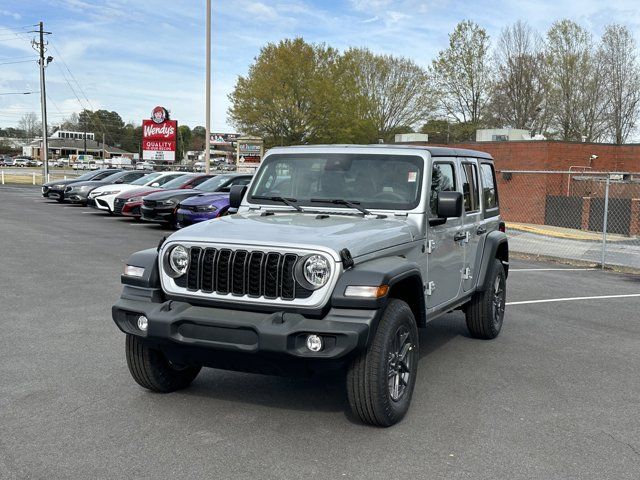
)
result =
(551, 269)
(571, 299)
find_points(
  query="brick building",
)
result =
(566, 200)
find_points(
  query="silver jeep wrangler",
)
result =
(335, 257)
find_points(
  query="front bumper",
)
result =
(99, 203)
(76, 197)
(129, 209)
(214, 330)
(157, 214)
(184, 217)
(50, 193)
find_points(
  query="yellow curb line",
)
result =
(551, 233)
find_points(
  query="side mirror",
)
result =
(449, 204)
(236, 195)
(155, 184)
(119, 181)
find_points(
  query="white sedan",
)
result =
(104, 197)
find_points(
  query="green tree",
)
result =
(288, 96)
(198, 136)
(131, 140)
(102, 122)
(184, 142)
(462, 74)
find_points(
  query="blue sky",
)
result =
(129, 56)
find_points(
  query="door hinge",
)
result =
(431, 286)
(467, 236)
(466, 273)
(431, 246)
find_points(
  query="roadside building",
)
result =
(64, 143)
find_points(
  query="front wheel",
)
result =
(380, 380)
(485, 311)
(153, 371)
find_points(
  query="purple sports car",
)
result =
(199, 208)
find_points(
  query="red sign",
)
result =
(159, 139)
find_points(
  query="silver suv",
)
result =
(335, 258)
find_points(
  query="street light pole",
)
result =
(207, 139)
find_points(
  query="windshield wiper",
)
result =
(339, 201)
(287, 201)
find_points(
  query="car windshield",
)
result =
(381, 181)
(89, 175)
(145, 178)
(178, 182)
(215, 183)
(113, 178)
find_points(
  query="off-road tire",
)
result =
(369, 375)
(485, 312)
(151, 369)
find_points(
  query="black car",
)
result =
(56, 189)
(160, 207)
(78, 192)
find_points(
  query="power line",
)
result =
(20, 61)
(18, 93)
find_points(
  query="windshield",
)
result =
(145, 178)
(213, 184)
(178, 182)
(89, 175)
(389, 182)
(112, 178)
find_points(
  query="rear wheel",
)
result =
(485, 311)
(152, 370)
(380, 380)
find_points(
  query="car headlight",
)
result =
(313, 272)
(168, 203)
(178, 261)
(111, 192)
(206, 208)
(134, 199)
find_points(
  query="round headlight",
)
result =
(316, 270)
(178, 260)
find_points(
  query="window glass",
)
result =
(470, 194)
(167, 178)
(200, 180)
(443, 179)
(173, 182)
(488, 186)
(376, 181)
(145, 179)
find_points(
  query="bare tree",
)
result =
(395, 90)
(520, 89)
(576, 86)
(463, 75)
(30, 125)
(71, 122)
(622, 73)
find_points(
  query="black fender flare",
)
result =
(496, 245)
(391, 271)
(147, 259)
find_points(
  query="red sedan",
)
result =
(128, 203)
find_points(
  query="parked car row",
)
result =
(172, 198)
(19, 161)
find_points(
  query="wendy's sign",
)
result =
(159, 136)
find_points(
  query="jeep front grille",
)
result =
(241, 272)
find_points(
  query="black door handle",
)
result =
(481, 230)
(458, 237)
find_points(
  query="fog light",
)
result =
(314, 343)
(143, 323)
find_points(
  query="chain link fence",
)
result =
(577, 215)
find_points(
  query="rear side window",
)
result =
(442, 180)
(489, 186)
(470, 193)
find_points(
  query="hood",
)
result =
(360, 235)
(88, 183)
(142, 191)
(206, 199)
(167, 194)
(61, 182)
(112, 187)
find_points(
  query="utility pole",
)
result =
(103, 158)
(85, 139)
(207, 139)
(40, 46)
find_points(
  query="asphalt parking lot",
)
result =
(555, 396)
